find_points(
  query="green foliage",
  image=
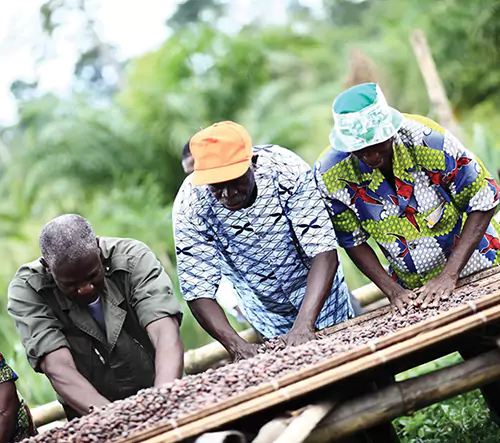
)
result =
(462, 419)
(116, 159)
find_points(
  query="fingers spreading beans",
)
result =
(151, 407)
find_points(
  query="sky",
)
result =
(133, 27)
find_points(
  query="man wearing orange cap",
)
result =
(254, 215)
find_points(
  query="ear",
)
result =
(44, 263)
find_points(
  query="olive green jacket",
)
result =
(137, 291)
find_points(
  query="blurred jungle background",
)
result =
(99, 96)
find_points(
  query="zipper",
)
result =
(100, 356)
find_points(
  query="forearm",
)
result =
(368, 263)
(472, 233)
(319, 284)
(169, 355)
(169, 361)
(73, 387)
(9, 405)
(213, 320)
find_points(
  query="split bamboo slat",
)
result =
(401, 343)
(200, 359)
(199, 423)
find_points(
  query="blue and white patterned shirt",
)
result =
(265, 250)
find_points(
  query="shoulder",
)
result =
(284, 166)
(330, 158)
(122, 253)
(190, 199)
(6, 372)
(422, 131)
(111, 246)
(278, 157)
(30, 276)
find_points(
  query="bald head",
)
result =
(66, 239)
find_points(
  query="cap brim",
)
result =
(219, 175)
(336, 143)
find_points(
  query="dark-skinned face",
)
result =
(81, 281)
(235, 194)
(377, 156)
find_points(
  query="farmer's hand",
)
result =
(242, 351)
(439, 288)
(401, 299)
(299, 335)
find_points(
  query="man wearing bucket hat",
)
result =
(408, 184)
(253, 214)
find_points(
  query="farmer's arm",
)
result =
(199, 276)
(442, 286)
(169, 356)
(72, 386)
(474, 192)
(213, 319)
(159, 313)
(368, 263)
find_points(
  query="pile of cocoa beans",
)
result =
(150, 407)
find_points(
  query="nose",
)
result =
(371, 156)
(86, 290)
(228, 193)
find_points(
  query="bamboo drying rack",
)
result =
(432, 331)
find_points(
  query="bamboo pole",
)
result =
(300, 428)
(47, 413)
(435, 88)
(368, 294)
(307, 380)
(199, 360)
(405, 397)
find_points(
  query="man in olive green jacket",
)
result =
(96, 315)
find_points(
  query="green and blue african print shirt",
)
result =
(24, 425)
(418, 224)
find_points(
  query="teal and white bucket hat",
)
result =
(363, 118)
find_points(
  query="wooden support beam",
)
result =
(407, 396)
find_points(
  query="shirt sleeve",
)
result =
(6, 372)
(197, 263)
(471, 185)
(304, 207)
(37, 325)
(346, 223)
(151, 288)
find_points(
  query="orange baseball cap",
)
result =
(221, 152)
